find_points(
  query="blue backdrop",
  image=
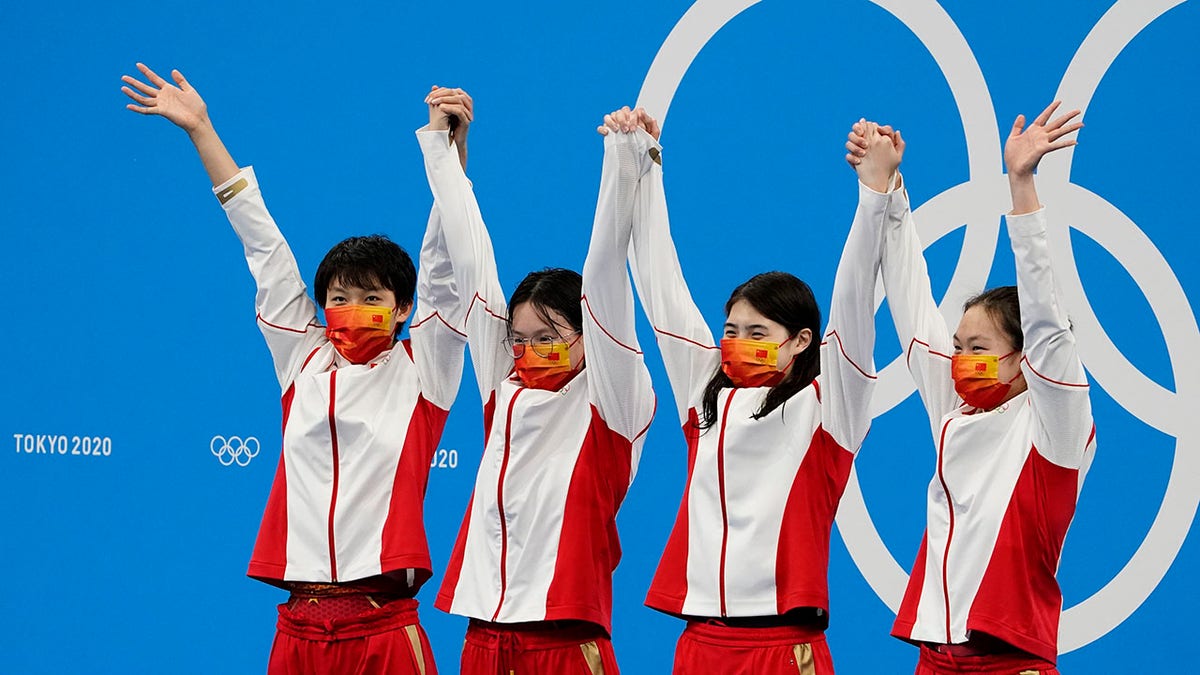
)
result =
(131, 321)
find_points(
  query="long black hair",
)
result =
(788, 301)
(551, 289)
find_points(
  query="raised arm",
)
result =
(483, 311)
(181, 104)
(847, 362)
(921, 328)
(618, 381)
(689, 354)
(1050, 361)
(286, 315)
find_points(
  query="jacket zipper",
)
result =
(950, 533)
(721, 486)
(333, 441)
(500, 504)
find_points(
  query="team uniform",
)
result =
(532, 565)
(1007, 479)
(751, 539)
(343, 525)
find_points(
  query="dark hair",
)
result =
(788, 301)
(551, 289)
(1003, 305)
(366, 262)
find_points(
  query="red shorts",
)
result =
(343, 638)
(542, 648)
(934, 663)
(779, 650)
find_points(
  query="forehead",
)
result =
(978, 324)
(529, 320)
(743, 315)
(370, 284)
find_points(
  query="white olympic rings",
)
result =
(234, 450)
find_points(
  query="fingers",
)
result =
(1018, 126)
(445, 95)
(602, 130)
(179, 80)
(857, 135)
(455, 110)
(853, 149)
(152, 76)
(1041, 119)
(651, 125)
(646, 121)
(1059, 121)
(139, 109)
(1058, 145)
(146, 101)
(139, 85)
(853, 161)
(898, 141)
(1063, 131)
(624, 119)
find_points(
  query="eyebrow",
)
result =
(969, 338)
(337, 288)
(753, 326)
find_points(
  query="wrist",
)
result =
(201, 130)
(1020, 176)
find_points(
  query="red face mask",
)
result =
(549, 372)
(753, 363)
(977, 379)
(359, 332)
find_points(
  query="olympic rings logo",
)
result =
(234, 450)
(979, 203)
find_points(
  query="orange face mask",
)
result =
(977, 379)
(549, 372)
(359, 332)
(752, 363)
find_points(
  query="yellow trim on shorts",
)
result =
(591, 654)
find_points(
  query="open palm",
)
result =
(1027, 145)
(178, 102)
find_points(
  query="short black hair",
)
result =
(368, 262)
(1004, 306)
(552, 288)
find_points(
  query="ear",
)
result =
(803, 339)
(401, 313)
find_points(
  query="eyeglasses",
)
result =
(542, 345)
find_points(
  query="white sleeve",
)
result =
(686, 343)
(436, 332)
(286, 314)
(483, 314)
(923, 334)
(847, 351)
(1057, 382)
(618, 381)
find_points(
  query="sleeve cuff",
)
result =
(231, 188)
(647, 151)
(1026, 224)
(434, 141)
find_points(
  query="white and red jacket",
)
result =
(358, 440)
(539, 539)
(1007, 479)
(752, 534)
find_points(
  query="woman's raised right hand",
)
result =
(179, 102)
